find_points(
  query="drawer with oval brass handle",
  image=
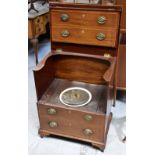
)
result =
(100, 36)
(101, 20)
(64, 17)
(53, 124)
(88, 118)
(52, 111)
(87, 132)
(65, 33)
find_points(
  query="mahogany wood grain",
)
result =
(72, 68)
(63, 68)
(96, 144)
(85, 49)
(85, 36)
(58, 85)
(89, 45)
(78, 67)
(85, 18)
(86, 7)
(123, 18)
(69, 126)
(121, 69)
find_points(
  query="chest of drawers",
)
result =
(89, 123)
(98, 28)
(85, 27)
(88, 25)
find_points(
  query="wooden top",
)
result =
(77, 1)
(86, 6)
(41, 8)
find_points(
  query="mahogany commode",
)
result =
(60, 71)
(84, 41)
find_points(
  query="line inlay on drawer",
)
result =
(98, 37)
(85, 18)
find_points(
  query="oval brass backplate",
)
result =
(52, 111)
(65, 33)
(53, 124)
(64, 17)
(88, 117)
(100, 36)
(101, 20)
(88, 132)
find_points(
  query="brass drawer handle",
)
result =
(88, 132)
(101, 20)
(53, 124)
(88, 117)
(65, 33)
(51, 111)
(100, 36)
(64, 17)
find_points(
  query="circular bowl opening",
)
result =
(75, 97)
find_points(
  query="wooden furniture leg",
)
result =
(43, 134)
(35, 47)
(100, 146)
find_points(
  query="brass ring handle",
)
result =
(88, 117)
(53, 124)
(88, 132)
(64, 17)
(65, 33)
(52, 111)
(101, 20)
(100, 36)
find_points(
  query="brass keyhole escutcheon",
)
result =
(64, 17)
(88, 117)
(87, 132)
(101, 20)
(100, 36)
(53, 124)
(52, 111)
(65, 33)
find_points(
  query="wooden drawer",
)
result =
(85, 18)
(40, 24)
(38, 20)
(66, 120)
(84, 36)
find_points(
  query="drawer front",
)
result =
(85, 18)
(64, 121)
(40, 24)
(98, 37)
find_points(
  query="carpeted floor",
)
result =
(60, 146)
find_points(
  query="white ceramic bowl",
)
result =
(75, 88)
